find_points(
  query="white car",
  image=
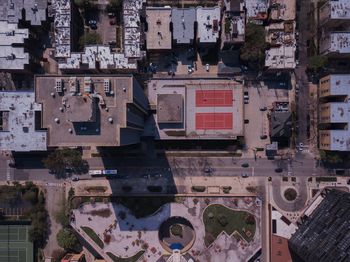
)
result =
(207, 67)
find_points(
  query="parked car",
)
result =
(110, 15)
(244, 175)
(279, 170)
(245, 165)
(75, 178)
(93, 24)
(207, 67)
(263, 137)
(263, 108)
(112, 22)
(246, 121)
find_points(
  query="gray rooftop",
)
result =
(324, 235)
(281, 125)
(170, 108)
(183, 24)
(72, 119)
(17, 123)
(12, 58)
(35, 10)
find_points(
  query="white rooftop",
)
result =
(340, 9)
(339, 112)
(18, 130)
(62, 19)
(340, 84)
(282, 228)
(208, 20)
(282, 57)
(12, 58)
(336, 42)
(255, 6)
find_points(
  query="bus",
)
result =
(108, 173)
(95, 173)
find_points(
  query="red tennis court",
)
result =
(214, 121)
(208, 98)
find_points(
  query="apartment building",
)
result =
(334, 113)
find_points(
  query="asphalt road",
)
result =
(302, 165)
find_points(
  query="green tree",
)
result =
(31, 196)
(61, 159)
(114, 6)
(67, 240)
(317, 62)
(253, 50)
(83, 4)
(91, 38)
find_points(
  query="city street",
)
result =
(301, 165)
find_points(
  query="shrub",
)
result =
(222, 219)
(176, 230)
(198, 188)
(250, 219)
(290, 194)
(66, 239)
(226, 189)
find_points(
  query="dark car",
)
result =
(263, 137)
(112, 22)
(263, 108)
(245, 165)
(245, 175)
(246, 121)
(12, 165)
(279, 170)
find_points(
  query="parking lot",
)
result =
(182, 61)
(256, 111)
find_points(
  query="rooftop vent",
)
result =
(58, 85)
(107, 85)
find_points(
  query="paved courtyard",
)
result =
(130, 235)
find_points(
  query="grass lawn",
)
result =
(218, 218)
(134, 258)
(91, 233)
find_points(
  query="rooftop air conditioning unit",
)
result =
(58, 85)
(107, 85)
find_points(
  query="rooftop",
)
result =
(13, 58)
(323, 236)
(335, 9)
(85, 110)
(158, 35)
(283, 10)
(281, 125)
(97, 53)
(255, 7)
(208, 19)
(62, 19)
(281, 37)
(183, 24)
(335, 42)
(35, 11)
(195, 108)
(17, 122)
(339, 84)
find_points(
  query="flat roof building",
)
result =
(208, 20)
(281, 54)
(18, 116)
(94, 110)
(323, 235)
(256, 9)
(334, 117)
(183, 21)
(35, 11)
(158, 35)
(335, 43)
(97, 58)
(334, 13)
(11, 57)
(283, 10)
(195, 109)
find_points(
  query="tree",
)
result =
(83, 4)
(62, 159)
(317, 62)
(67, 240)
(91, 38)
(253, 50)
(114, 6)
(31, 196)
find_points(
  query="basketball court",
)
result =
(214, 98)
(214, 121)
(14, 244)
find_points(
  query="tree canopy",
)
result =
(67, 240)
(62, 159)
(316, 62)
(253, 51)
